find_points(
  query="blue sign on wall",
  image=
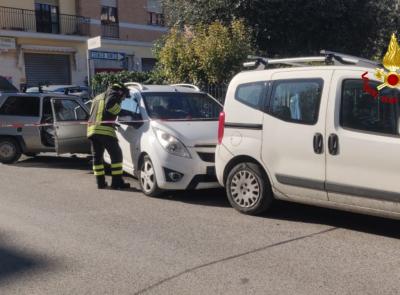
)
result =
(107, 55)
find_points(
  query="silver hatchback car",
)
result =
(36, 123)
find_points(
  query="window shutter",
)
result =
(110, 3)
(154, 6)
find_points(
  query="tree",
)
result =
(299, 27)
(203, 54)
(101, 81)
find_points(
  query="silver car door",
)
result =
(70, 126)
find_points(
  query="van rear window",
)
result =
(251, 94)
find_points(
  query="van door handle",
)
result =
(318, 143)
(333, 144)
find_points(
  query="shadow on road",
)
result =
(211, 197)
(13, 264)
(335, 218)
(298, 213)
(53, 162)
(217, 198)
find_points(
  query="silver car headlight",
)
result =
(171, 144)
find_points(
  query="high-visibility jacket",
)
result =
(105, 107)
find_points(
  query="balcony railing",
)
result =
(26, 20)
(110, 31)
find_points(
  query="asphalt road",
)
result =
(59, 235)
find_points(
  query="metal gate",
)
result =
(49, 69)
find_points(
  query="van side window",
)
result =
(21, 106)
(361, 111)
(251, 94)
(296, 101)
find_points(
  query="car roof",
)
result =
(52, 95)
(257, 74)
(55, 87)
(165, 89)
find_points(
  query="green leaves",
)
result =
(204, 54)
(299, 27)
(101, 81)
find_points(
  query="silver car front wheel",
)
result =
(147, 178)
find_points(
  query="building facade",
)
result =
(45, 41)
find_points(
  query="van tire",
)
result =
(248, 189)
(10, 150)
(149, 188)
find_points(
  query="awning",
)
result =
(49, 48)
(42, 48)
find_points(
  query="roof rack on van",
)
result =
(327, 57)
(186, 85)
(135, 84)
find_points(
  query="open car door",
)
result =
(70, 126)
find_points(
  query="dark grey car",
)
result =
(36, 123)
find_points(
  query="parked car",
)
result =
(80, 91)
(6, 86)
(310, 134)
(62, 116)
(170, 145)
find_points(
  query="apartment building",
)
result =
(45, 41)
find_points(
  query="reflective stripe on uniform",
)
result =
(117, 165)
(98, 167)
(117, 172)
(100, 110)
(99, 173)
(102, 130)
(116, 169)
(95, 125)
(115, 109)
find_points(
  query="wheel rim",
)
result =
(147, 176)
(7, 150)
(245, 189)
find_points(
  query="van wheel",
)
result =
(248, 190)
(147, 178)
(10, 151)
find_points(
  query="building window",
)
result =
(156, 19)
(148, 64)
(47, 18)
(109, 15)
(109, 22)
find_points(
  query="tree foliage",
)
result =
(202, 53)
(101, 81)
(299, 27)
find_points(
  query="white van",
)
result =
(311, 134)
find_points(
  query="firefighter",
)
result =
(101, 132)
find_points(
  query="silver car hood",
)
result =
(191, 133)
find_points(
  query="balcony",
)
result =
(110, 31)
(27, 21)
